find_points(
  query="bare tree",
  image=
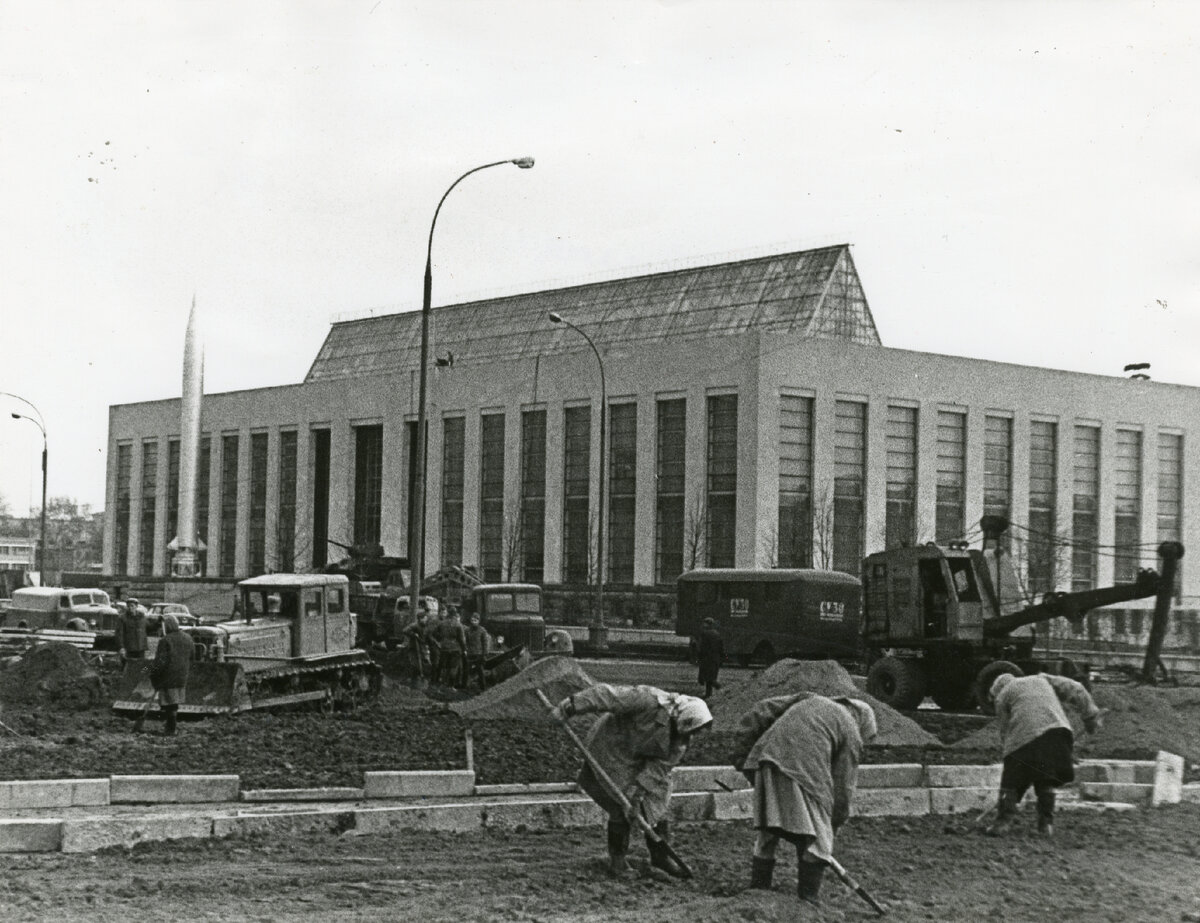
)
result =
(695, 534)
(1052, 553)
(770, 547)
(512, 552)
(823, 530)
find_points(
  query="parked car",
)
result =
(154, 617)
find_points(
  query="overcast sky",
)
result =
(1019, 180)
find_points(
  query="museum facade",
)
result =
(753, 419)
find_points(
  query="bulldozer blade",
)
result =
(212, 689)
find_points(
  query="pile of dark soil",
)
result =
(517, 698)
(824, 677)
(51, 674)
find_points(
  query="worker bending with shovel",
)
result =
(801, 752)
(642, 733)
(1037, 741)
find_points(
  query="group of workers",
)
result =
(801, 753)
(445, 652)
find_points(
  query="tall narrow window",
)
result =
(669, 465)
(1043, 544)
(532, 533)
(951, 475)
(173, 490)
(285, 521)
(901, 523)
(491, 496)
(124, 505)
(229, 508)
(203, 480)
(1170, 494)
(258, 504)
(795, 481)
(577, 526)
(453, 472)
(368, 483)
(621, 535)
(320, 497)
(721, 500)
(1127, 531)
(1085, 520)
(849, 484)
(997, 471)
(149, 494)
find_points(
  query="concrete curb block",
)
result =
(891, 775)
(97, 833)
(961, 800)
(31, 835)
(963, 776)
(54, 793)
(282, 823)
(910, 801)
(1168, 779)
(527, 788)
(707, 779)
(173, 789)
(1117, 771)
(303, 794)
(1191, 793)
(419, 784)
(1123, 792)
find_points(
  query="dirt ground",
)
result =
(1125, 868)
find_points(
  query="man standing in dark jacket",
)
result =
(169, 672)
(452, 644)
(710, 651)
(479, 644)
(131, 632)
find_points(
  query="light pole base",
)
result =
(598, 637)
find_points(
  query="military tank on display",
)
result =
(292, 644)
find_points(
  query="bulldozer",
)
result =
(945, 621)
(292, 644)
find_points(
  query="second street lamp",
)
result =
(417, 552)
(599, 630)
(41, 562)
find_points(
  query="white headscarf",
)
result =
(864, 714)
(998, 685)
(690, 713)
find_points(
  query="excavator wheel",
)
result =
(896, 682)
(987, 676)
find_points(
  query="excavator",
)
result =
(944, 621)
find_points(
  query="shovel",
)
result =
(840, 871)
(616, 793)
(140, 722)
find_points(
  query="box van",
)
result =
(39, 607)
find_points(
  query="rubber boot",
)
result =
(808, 881)
(1045, 812)
(761, 872)
(1006, 811)
(618, 847)
(659, 857)
(171, 712)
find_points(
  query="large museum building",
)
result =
(753, 419)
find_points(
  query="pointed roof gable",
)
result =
(814, 293)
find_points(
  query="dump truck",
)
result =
(292, 645)
(937, 620)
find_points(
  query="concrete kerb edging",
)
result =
(701, 793)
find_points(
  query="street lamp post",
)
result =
(45, 457)
(599, 631)
(417, 552)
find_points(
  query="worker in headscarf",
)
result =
(169, 671)
(802, 754)
(1037, 741)
(643, 733)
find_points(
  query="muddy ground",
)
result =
(1124, 868)
(55, 724)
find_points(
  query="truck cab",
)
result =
(509, 610)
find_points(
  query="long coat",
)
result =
(710, 651)
(1029, 706)
(817, 744)
(172, 662)
(632, 741)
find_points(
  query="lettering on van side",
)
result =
(832, 611)
(739, 608)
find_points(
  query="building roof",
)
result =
(815, 293)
